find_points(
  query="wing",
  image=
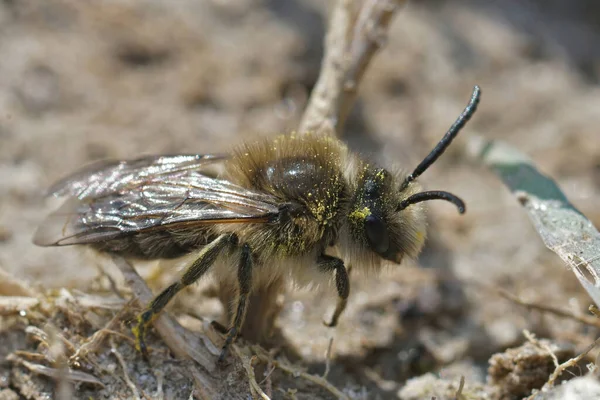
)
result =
(107, 176)
(149, 194)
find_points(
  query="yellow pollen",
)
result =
(420, 236)
(360, 214)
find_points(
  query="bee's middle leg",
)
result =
(342, 283)
(245, 285)
(207, 257)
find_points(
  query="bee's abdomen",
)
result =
(156, 244)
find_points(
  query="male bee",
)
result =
(278, 209)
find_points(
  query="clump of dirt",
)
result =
(518, 371)
(429, 386)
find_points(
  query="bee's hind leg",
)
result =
(342, 283)
(206, 258)
(245, 285)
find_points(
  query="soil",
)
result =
(82, 81)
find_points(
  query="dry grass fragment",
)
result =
(12, 305)
(582, 318)
(56, 373)
(247, 362)
(11, 286)
(126, 377)
(572, 362)
(459, 391)
(298, 372)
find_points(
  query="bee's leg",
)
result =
(205, 259)
(245, 285)
(342, 283)
(217, 326)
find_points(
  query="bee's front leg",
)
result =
(245, 285)
(205, 259)
(342, 283)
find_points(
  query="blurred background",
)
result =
(81, 81)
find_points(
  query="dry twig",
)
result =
(357, 29)
(582, 318)
(172, 333)
(247, 363)
(328, 358)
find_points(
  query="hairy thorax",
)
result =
(305, 174)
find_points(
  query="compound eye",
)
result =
(377, 234)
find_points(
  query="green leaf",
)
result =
(563, 228)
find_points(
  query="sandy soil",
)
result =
(81, 81)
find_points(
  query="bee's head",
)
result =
(386, 212)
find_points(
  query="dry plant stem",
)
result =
(63, 388)
(247, 364)
(461, 386)
(159, 385)
(11, 286)
(111, 282)
(295, 371)
(70, 375)
(328, 358)
(267, 379)
(584, 319)
(357, 29)
(533, 340)
(383, 384)
(169, 331)
(93, 343)
(569, 363)
(48, 340)
(128, 380)
(562, 367)
(290, 393)
(11, 305)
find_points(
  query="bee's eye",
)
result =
(377, 234)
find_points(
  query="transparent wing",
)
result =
(141, 196)
(107, 176)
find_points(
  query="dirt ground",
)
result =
(81, 81)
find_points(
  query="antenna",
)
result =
(443, 144)
(433, 195)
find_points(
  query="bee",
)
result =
(273, 209)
